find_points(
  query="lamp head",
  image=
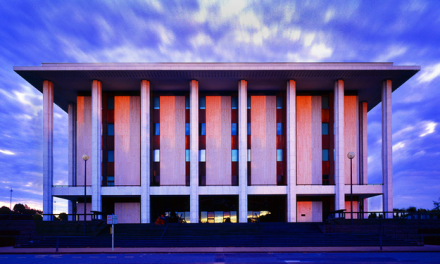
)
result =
(350, 155)
(85, 157)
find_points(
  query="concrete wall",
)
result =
(172, 140)
(127, 140)
(128, 213)
(263, 138)
(218, 140)
(308, 211)
(316, 133)
(351, 136)
(84, 138)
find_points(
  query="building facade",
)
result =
(217, 142)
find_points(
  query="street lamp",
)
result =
(350, 155)
(85, 158)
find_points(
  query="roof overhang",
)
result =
(70, 78)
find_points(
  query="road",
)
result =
(414, 257)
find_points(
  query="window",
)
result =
(249, 129)
(187, 155)
(280, 155)
(234, 129)
(110, 129)
(280, 102)
(156, 156)
(234, 102)
(186, 102)
(110, 102)
(202, 102)
(156, 129)
(248, 155)
(202, 157)
(235, 155)
(249, 102)
(111, 156)
(202, 129)
(187, 129)
(325, 102)
(325, 128)
(156, 102)
(280, 130)
(325, 155)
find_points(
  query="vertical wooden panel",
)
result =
(348, 209)
(84, 138)
(128, 213)
(350, 135)
(263, 137)
(316, 140)
(127, 140)
(304, 139)
(172, 140)
(218, 140)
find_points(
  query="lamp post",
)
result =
(350, 155)
(10, 202)
(85, 158)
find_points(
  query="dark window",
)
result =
(111, 156)
(249, 129)
(234, 129)
(187, 129)
(110, 102)
(325, 154)
(156, 102)
(325, 128)
(202, 129)
(202, 102)
(249, 102)
(325, 102)
(110, 129)
(280, 102)
(280, 129)
(234, 101)
(186, 102)
(156, 129)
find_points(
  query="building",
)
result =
(217, 141)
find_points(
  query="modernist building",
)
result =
(217, 141)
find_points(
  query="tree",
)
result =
(19, 208)
(5, 210)
(63, 217)
(412, 209)
(436, 205)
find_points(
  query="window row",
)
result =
(202, 155)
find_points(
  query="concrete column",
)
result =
(340, 154)
(291, 150)
(387, 148)
(145, 151)
(194, 150)
(47, 149)
(242, 151)
(363, 154)
(71, 151)
(96, 145)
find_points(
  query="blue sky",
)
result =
(403, 32)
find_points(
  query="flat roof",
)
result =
(365, 78)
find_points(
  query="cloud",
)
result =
(6, 152)
(429, 129)
(429, 73)
(321, 51)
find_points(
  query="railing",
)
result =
(71, 186)
(381, 215)
(365, 184)
(315, 184)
